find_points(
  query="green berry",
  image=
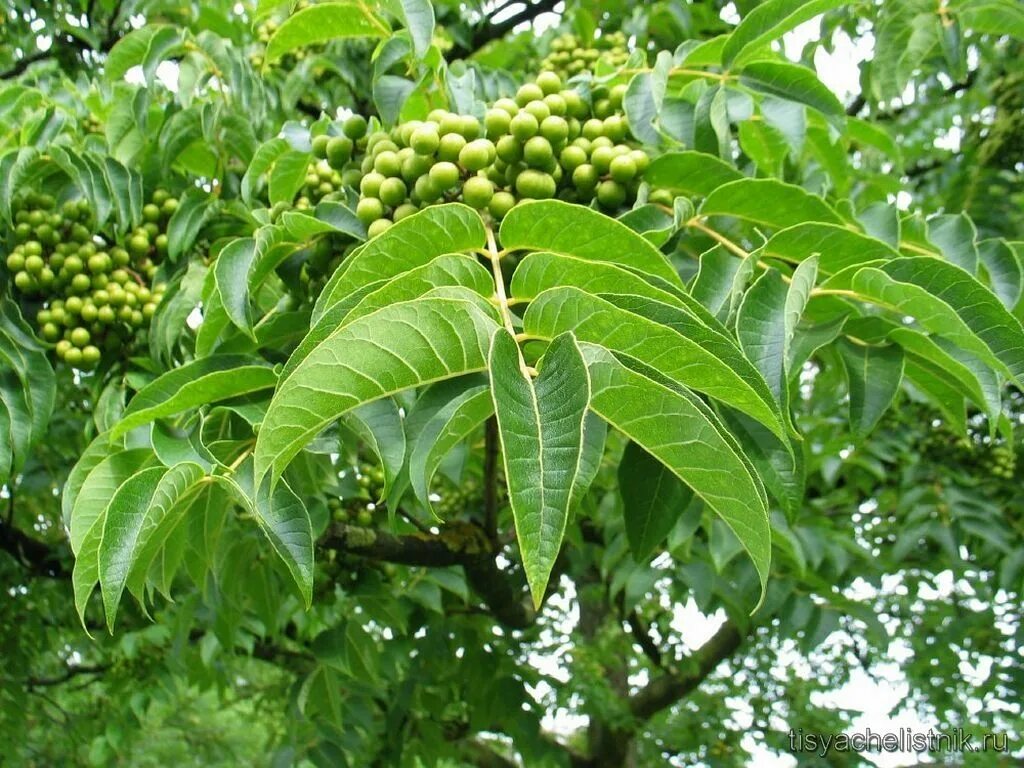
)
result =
(151, 212)
(371, 184)
(524, 125)
(24, 282)
(549, 82)
(169, 207)
(477, 155)
(450, 147)
(15, 262)
(425, 190)
(355, 127)
(393, 192)
(34, 265)
(585, 178)
(555, 129)
(538, 152)
(90, 356)
(509, 149)
(527, 93)
(538, 109)
(388, 163)
(469, 127)
(403, 211)
(622, 169)
(593, 128)
(425, 139)
(138, 245)
(80, 337)
(369, 210)
(339, 151)
(496, 123)
(601, 159)
(320, 145)
(477, 192)
(611, 194)
(535, 184)
(572, 157)
(73, 356)
(501, 204)
(378, 227)
(444, 175)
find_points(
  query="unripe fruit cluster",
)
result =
(570, 55)
(96, 297)
(547, 142)
(362, 509)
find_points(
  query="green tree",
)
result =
(393, 383)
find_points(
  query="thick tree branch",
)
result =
(492, 31)
(69, 674)
(666, 690)
(40, 558)
(458, 543)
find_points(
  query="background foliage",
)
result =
(822, 299)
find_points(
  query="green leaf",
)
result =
(874, 375)
(409, 243)
(231, 273)
(769, 21)
(404, 345)
(949, 302)
(678, 346)
(540, 424)
(769, 202)
(954, 236)
(97, 489)
(130, 519)
(720, 282)
(574, 230)
(418, 16)
(449, 425)
(323, 22)
(690, 173)
(1004, 270)
(676, 428)
(653, 498)
(145, 47)
(794, 83)
(539, 271)
(993, 18)
(379, 425)
(287, 176)
(197, 383)
(283, 518)
(836, 247)
(447, 270)
(767, 320)
(194, 209)
(779, 466)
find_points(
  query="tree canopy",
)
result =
(507, 383)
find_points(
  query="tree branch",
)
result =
(40, 558)
(491, 31)
(666, 690)
(458, 543)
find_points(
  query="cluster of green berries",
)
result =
(456, 500)
(266, 30)
(547, 142)
(362, 509)
(570, 55)
(1001, 462)
(321, 181)
(95, 296)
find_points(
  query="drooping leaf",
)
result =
(450, 425)
(794, 83)
(401, 346)
(653, 498)
(873, 375)
(682, 433)
(410, 243)
(323, 22)
(769, 21)
(690, 173)
(574, 230)
(197, 383)
(540, 424)
(769, 202)
(670, 340)
(835, 246)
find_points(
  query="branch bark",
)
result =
(459, 543)
(666, 690)
(492, 31)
